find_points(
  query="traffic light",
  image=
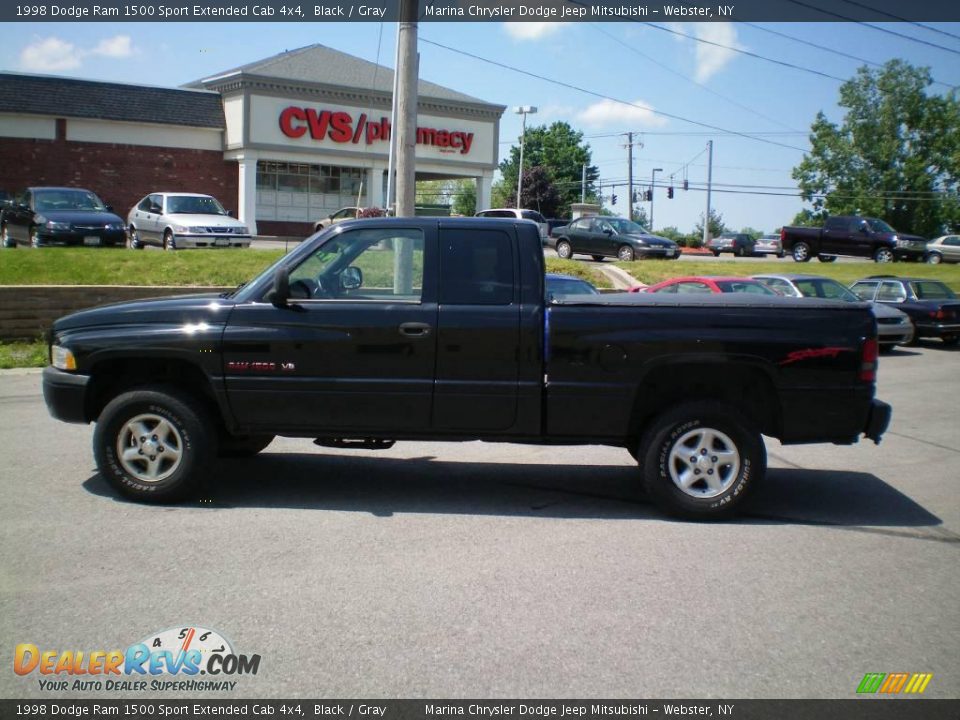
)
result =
(670, 192)
(635, 196)
(613, 199)
(649, 195)
(686, 184)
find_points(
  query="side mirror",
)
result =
(607, 231)
(351, 278)
(281, 287)
(109, 208)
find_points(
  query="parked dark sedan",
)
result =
(740, 244)
(933, 307)
(60, 216)
(603, 236)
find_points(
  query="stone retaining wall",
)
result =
(27, 311)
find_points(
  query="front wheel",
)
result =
(153, 444)
(35, 241)
(801, 252)
(883, 255)
(934, 258)
(564, 251)
(716, 253)
(700, 460)
(5, 239)
(169, 242)
(626, 254)
(133, 239)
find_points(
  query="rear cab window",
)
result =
(476, 267)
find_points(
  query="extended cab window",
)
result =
(838, 224)
(370, 264)
(476, 268)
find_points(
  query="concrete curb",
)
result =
(621, 279)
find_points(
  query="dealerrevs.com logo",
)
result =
(170, 660)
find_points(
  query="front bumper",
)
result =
(912, 254)
(191, 242)
(878, 420)
(900, 334)
(65, 395)
(657, 252)
(94, 238)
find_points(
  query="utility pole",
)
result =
(391, 162)
(706, 220)
(407, 110)
(583, 184)
(630, 176)
(653, 193)
(522, 110)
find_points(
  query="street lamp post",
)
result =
(653, 179)
(522, 110)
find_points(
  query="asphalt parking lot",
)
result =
(483, 570)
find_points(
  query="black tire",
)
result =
(169, 241)
(883, 255)
(700, 429)
(780, 255)
(184, 444)
(564, 250)
(716, 253)
(239, 446)
(826, 258)
(950, 340)
(934, 258)
(133, 239)
(625, 254)
(801, 252)
(598, 258)
(741, 252)
(5, 239)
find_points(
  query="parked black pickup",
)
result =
(426, 328)
(851, 235)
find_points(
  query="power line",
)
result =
(874, 27)
(569, 86)
(902, 19)
(688, 79)
(829, 49)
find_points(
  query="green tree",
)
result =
(465, 201)
(561, 152)
(752, 232)
(895, 155)
(716, 225)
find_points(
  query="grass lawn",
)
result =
(22, 354)
(653, 271)
(578, 269)
(119, 266)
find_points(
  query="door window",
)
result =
(476, 268)
(891, 292)
(865, 290)
(384, 264)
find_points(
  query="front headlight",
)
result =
(53, 225)
(62, 358)
(180, 228)
(197, 230)
(901, 242)
(114, 226)
(242, 231)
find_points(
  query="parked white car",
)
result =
(945, 248)
(520, 215)
(176, 221)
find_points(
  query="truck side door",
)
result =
(355, 347)
(834, 238)
(478, 336)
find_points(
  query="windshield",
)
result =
(623, 226)
(194, 205)
(743, 286)
(47, 200)
(879, 226)
(932, 290)
(827, 289)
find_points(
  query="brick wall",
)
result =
(119, 174)
(27, 311)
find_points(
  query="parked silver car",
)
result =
(894, 327)
(944, 249)
(768, 245)
(176, 221)
(539, 219)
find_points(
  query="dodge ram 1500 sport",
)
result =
(433, 328)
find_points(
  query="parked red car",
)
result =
(708, 284)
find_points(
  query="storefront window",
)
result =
(303, 192)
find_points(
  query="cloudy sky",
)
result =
(658, 81)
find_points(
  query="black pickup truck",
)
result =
(432, 328)
(851, 235)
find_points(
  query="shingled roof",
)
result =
(69, 97)
(320, 64)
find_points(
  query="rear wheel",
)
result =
(716, 253)
(625, 254)
(598, 258)
(883, 255)
(564, 251)
(153, 444)
(700, 460)
(801, 252)
(826, 258)
(934, 258)
(5, 239)
(35, 241)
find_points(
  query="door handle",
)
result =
(415, 329)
